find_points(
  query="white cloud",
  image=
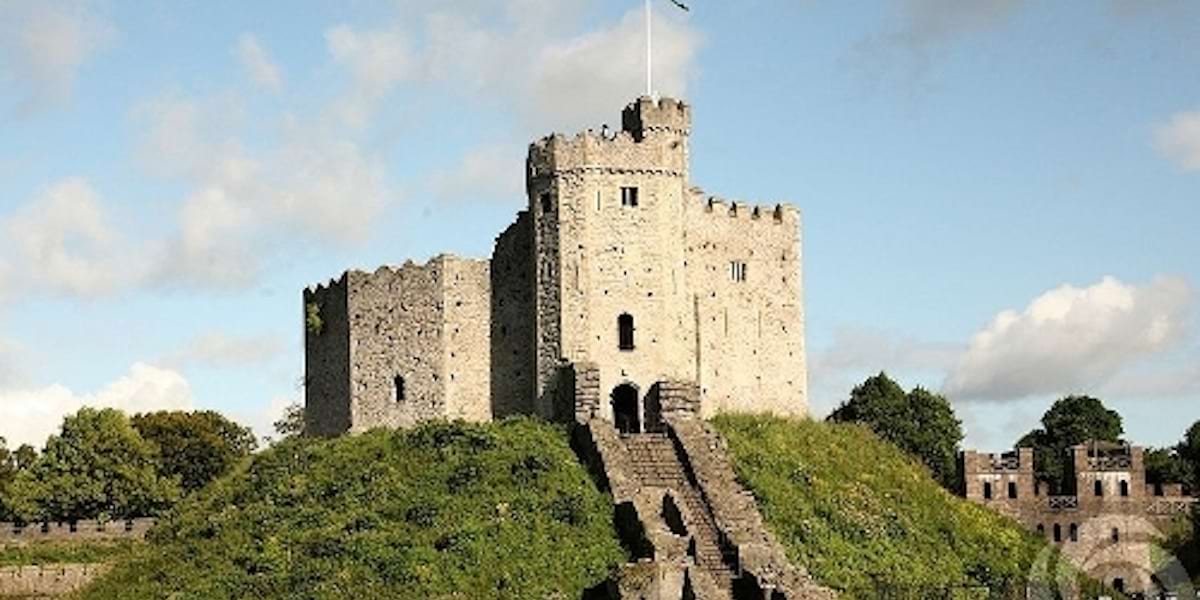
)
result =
(64, 241)
(43, 45)
(31, 415)
(1071, 339)
(377, 60)
(486, 171)
(224, 351)
(1179, 140)
(311, 183)
(257, 63)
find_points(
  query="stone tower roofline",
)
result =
(410, 266)
(780, 213)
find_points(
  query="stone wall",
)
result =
(396, 331)
(15, 534)
(513, 321)
(743, 265)
(467, 329)
(47, 580)
(327, 359)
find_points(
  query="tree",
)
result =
(24, 457)
(920, 422)
(1165, 465)
(97, 467)
(196, 447)
(8, 471)
(1189, 452)
(1070, 421)
(291, 424)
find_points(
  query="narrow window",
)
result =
(547, 205)
(1057, 532)
(625, 332)
(1124, 489)
(400, 393)
(1099, 487)
(1074, 532)
(629, 196)
(1116, 535)
(737, 270)
(1158, 489)
(1012, 489)
(1041, 530)
(987, 490)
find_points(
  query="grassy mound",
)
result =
(48, 553)
(442, 511)
(858, 513)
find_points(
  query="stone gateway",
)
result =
(620, 272)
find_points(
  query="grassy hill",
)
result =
(443, 511)
(856, 511)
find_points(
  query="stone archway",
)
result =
(626, 415)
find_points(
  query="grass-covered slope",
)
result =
(855, 510)
(443, 511)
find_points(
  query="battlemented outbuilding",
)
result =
(620, 290)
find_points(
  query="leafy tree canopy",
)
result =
(291, 423)
(195, 447)
(920, 422)
(97, 467)
(1070, 421)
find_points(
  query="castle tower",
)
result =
(609, 219)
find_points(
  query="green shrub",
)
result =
(448, 510)
(862, 516)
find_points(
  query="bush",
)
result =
(447, 510)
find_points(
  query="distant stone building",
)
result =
(620, 290)
(1108, 523)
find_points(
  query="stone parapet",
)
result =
(18, 534)
(47, 580)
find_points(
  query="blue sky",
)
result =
(999, 196)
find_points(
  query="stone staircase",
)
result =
(656, 463)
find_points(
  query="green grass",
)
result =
(857, 512)
(45, 553)
(444, 511)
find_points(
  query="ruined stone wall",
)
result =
(513, 364)
(467, 302)
(47, 580)
(744, 267)
(396, 330)
(17, 534)
(327, 360)
(603, 258)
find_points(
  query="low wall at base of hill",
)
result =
(47, 580)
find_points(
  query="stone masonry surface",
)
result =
(47, 580)
(1108, 522)
(618, 262)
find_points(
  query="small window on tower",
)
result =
(400, 397)
(987, 490)
(1012, 489)
(737, 270)
(625, 332)
(547, 205)
(629, 196)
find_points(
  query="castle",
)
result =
(1107, 523)
(620, 290)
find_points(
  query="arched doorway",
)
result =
(625, 408)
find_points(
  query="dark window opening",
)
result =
(625, 409)
(737, 271)
(1057, 532)
(987, 490)
(629, 196)
(1124, 489)
(1119, 585)
(1116, 535)
(1158, 489)
(1041, 530)
(400, 392)
(625, 332)
(547, 205)
(1099, 487)
(1074, 532)
(1012, 489)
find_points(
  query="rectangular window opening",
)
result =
(1012, 489)
(401, 394)
(737, 271)
(629, 196)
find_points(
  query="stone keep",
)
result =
(618, 263)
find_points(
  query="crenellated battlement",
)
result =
(776, 214)
(647, 115)
(590, 152)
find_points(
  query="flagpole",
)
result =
(649, 53)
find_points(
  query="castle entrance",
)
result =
(625, 408)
